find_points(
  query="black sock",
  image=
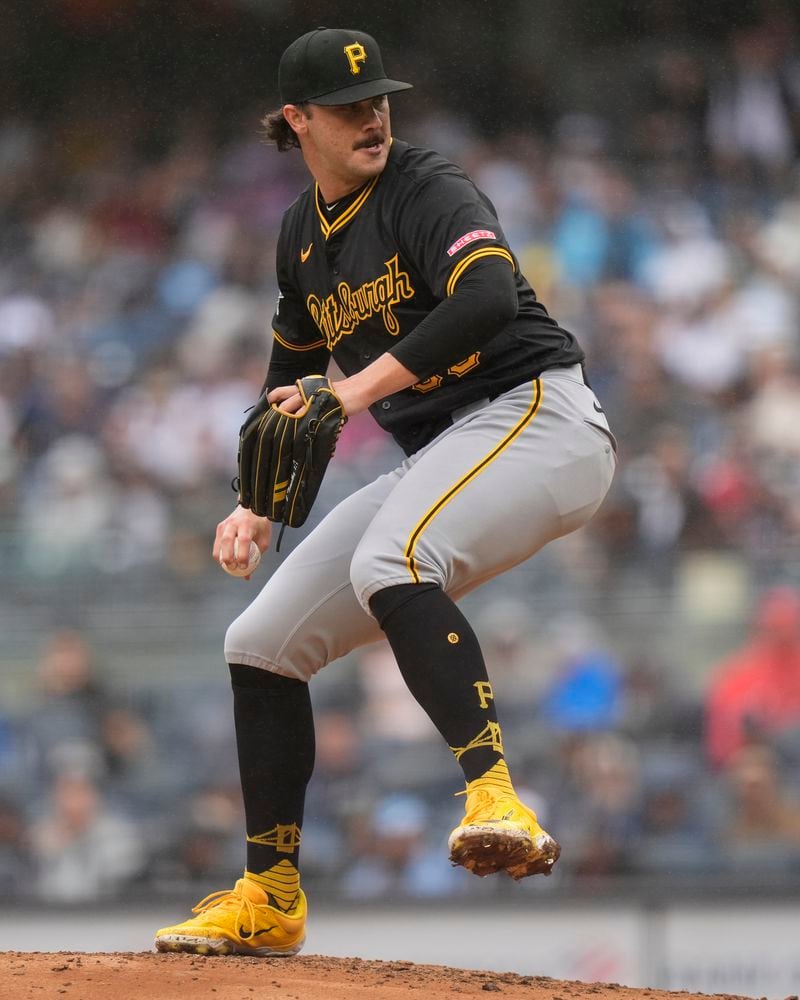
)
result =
(442, 664)
(275, 742)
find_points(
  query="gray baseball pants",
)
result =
(507, 477)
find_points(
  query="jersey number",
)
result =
(459, 370)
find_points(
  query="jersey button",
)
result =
(386, 405)
(366, 355)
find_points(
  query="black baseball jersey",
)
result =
(357, 278)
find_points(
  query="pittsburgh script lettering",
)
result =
(339, 313)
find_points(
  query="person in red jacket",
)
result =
(755, 693)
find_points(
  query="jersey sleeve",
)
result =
(484, 301)
(446, 227)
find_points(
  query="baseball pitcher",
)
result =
(393, 263)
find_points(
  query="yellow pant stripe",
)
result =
(442, 502)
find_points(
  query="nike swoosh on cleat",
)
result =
(244, 934)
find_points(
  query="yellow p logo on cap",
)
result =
(356, 54)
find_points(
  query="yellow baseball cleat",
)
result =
(499, 833)
(239, 921)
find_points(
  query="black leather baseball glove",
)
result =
(283, 456)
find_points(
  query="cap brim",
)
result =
(359, 92)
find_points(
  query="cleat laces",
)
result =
(227, 898)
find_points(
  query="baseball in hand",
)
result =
(235, 569)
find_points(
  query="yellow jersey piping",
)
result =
(294, 347)
(462, 265)
(329, 228)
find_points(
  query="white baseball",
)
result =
(235, 569)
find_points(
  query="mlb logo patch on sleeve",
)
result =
(476, 234)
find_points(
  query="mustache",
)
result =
(370, 140)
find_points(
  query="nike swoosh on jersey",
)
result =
(598, 408)
(304, 254)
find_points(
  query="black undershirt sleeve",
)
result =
(286, 366)
(483, 303)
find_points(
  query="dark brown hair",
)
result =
(279, 131)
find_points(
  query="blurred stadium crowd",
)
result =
(136, 288)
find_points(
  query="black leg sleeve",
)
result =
(275, 742)
(442, 664)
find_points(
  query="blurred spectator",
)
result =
(778, 242)
(65, 401)
(770, 420)
(669, 128)
(26, 323)
(601, 234)
(134, 776)
(338, 793)
(390, 713)
(155, 428)
(72, 484)
(699, 343)
(678, 813)
(755, 693)
(200, 840)
(15, 865)
(504, 173)
(514, 658)
(15, 753)
(754, 110)
(81, 850)
(586, 693)
(656, 706)
(671, 513)
(400, 857)
(65, 728)
(762, 826)
(598, 813)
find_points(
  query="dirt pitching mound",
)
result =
(150, 976)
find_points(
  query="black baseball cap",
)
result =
(334, 66)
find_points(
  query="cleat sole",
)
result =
(221, 946)
(514, 852)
